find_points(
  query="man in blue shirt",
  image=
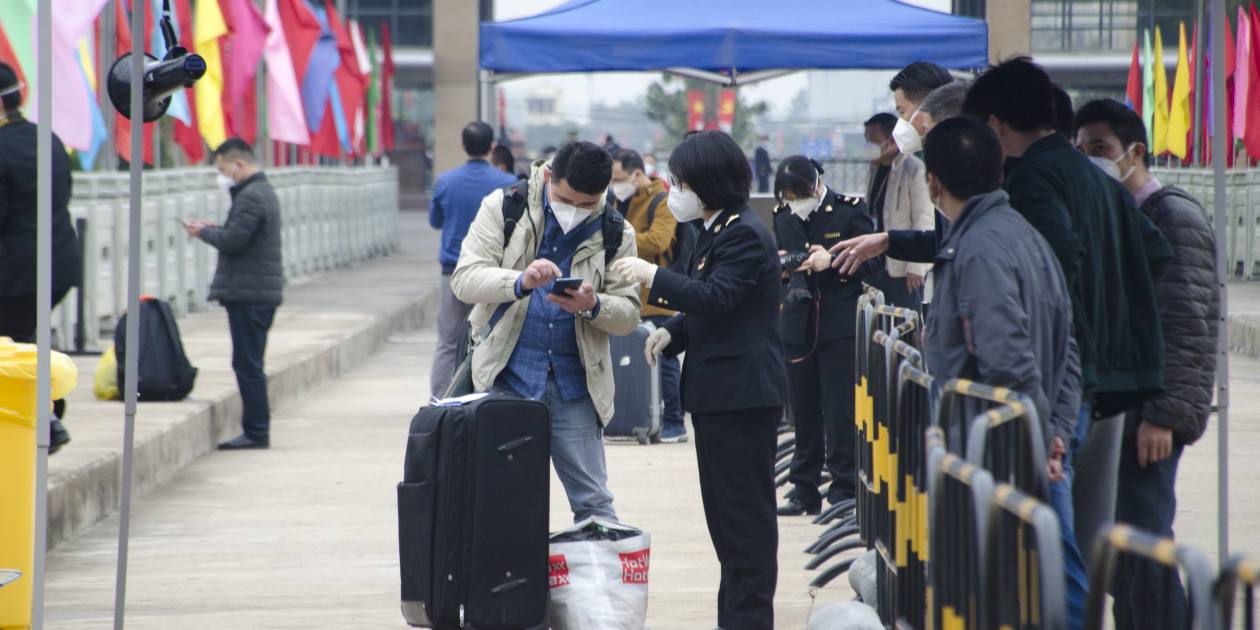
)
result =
(457, 196)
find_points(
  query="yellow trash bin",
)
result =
(17, 468)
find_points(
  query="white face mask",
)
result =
(684, 205)
(872, 151)
(649, 169)
(1112, 167)
(568, 216)
(906, 136)
(225, 183)
(804, 207)
(624, 190)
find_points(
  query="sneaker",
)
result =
(674, 434)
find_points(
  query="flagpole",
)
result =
(43, 305)
(105, 44)
(1199, 84)
(1222, 273)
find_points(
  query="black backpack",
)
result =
(516, 198)
(685, 234)
(164, 371)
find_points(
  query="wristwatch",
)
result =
(592, 312)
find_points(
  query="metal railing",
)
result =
(1122, 543)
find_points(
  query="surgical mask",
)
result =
(906, 136)
(225, 183)
(684, 205)
(1112, 167)
(568, 216)
(872, 151)
(624, 190)
(649, 169)
(803, 207)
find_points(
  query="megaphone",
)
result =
(178, 70)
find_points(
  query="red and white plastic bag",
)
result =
(599, 576)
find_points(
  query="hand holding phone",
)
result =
(562, 286)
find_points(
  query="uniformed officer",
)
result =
(818, 328)
(734, 382)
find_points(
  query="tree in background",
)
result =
(667, 106)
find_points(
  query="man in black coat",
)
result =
(1188, 300)
(761, 165)
(249, 281)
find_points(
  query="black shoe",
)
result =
(796, 507)
(58, 436)
(243, 442)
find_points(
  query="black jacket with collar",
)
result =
(18, 216)
(728, 321)
(251, 252)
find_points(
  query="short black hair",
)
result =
(9, 79)
(1017, 92)
(1064, 116)
(964, 154)
(629, 160)
(236, 148)
(586, 166)
(713, 166)
(918, 79)
(502, 156)
(478, 137)
(1124, 122)
(797, 175)
(885, 121)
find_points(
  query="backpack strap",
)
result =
(614, 226)
(515, 199)
(656, 202)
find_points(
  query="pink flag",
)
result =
(1242, 57)
(243, 48)
(71, 106)
(286, 121)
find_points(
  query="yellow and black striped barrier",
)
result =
(917, 396)
(960, 499)
(1024, 587)
(1152, 607)
(1240, 574)
(999, 429)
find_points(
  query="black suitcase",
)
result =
(637, 400)
(472, 515)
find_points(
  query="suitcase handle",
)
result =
(507, 586)
(515, 444)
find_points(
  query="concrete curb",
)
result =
(92, 492)
(1244, 335)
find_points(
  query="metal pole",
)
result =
(43, 304)
(131, 366)
(1199, 85)
(1223, 272)
(105, 43)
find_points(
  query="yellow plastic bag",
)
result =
(105, 382)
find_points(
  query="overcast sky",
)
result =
(580, 89)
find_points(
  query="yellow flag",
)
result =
(1179, 115)
(208, 27)
(1160, 141)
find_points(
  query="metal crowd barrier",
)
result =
(960, 498)
(1240, 574)
(1024, 587)
(996, 428)
(332, 217)
(1242, 192)
(1122, 543)
(917, 395)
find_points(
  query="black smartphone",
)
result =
(564, 284)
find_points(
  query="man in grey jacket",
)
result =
(249, 281)
(1188, 297)
(1001, 313)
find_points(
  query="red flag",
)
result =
(695, 110)
(351, 82)
(387, 90)
(187, 136)
(301, 30)
(1252, 138)
(7, 56)
(1133, 92)
(242, 50)
(726, 110)
(122, 126)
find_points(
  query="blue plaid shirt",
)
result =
(548, 341)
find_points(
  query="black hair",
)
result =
(629, 160)
(236, 148)
(1124, 122)
(713, 166)
(502, 156)
(1017, 92)
(9, 79)
(964, 154)
(1064, 116)
(885, 121)
(797, 175)
(586, 166)
(478, 137)
(918, 79)
(551, 148)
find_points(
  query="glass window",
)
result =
(414, 30)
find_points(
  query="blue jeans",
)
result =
(1077, 579)
(249, 325)
(671, 380)
(577, 452)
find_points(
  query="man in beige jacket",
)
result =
(552, 346)
(906, 205)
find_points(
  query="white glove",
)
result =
(635, 270)
(656, 344)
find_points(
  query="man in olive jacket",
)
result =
(1189, 308)
(249, 280)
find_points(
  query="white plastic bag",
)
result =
(599, 577)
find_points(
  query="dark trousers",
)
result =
(896, 293)
(1147, 595)
(763, 183)
(735, 453)
(822, 406)
(249, 324)
(671, 379)
(18, 315)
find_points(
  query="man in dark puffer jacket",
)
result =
(249, 281)
(1188, 297)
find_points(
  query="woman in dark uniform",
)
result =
(817, 324)
(733, 381)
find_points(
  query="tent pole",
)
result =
(485, 97)
(1223, 273)
(43, 306)
(131, 365)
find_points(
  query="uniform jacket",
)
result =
(18, 214)
(1001, 313)
(486, 277)
(1189, 310)
(655, 241)
(837, 218)
(761, 162)
(907, 206)
(728, 321)
(1111, 255)
(251, 253)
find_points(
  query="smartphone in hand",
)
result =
(562, 285)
